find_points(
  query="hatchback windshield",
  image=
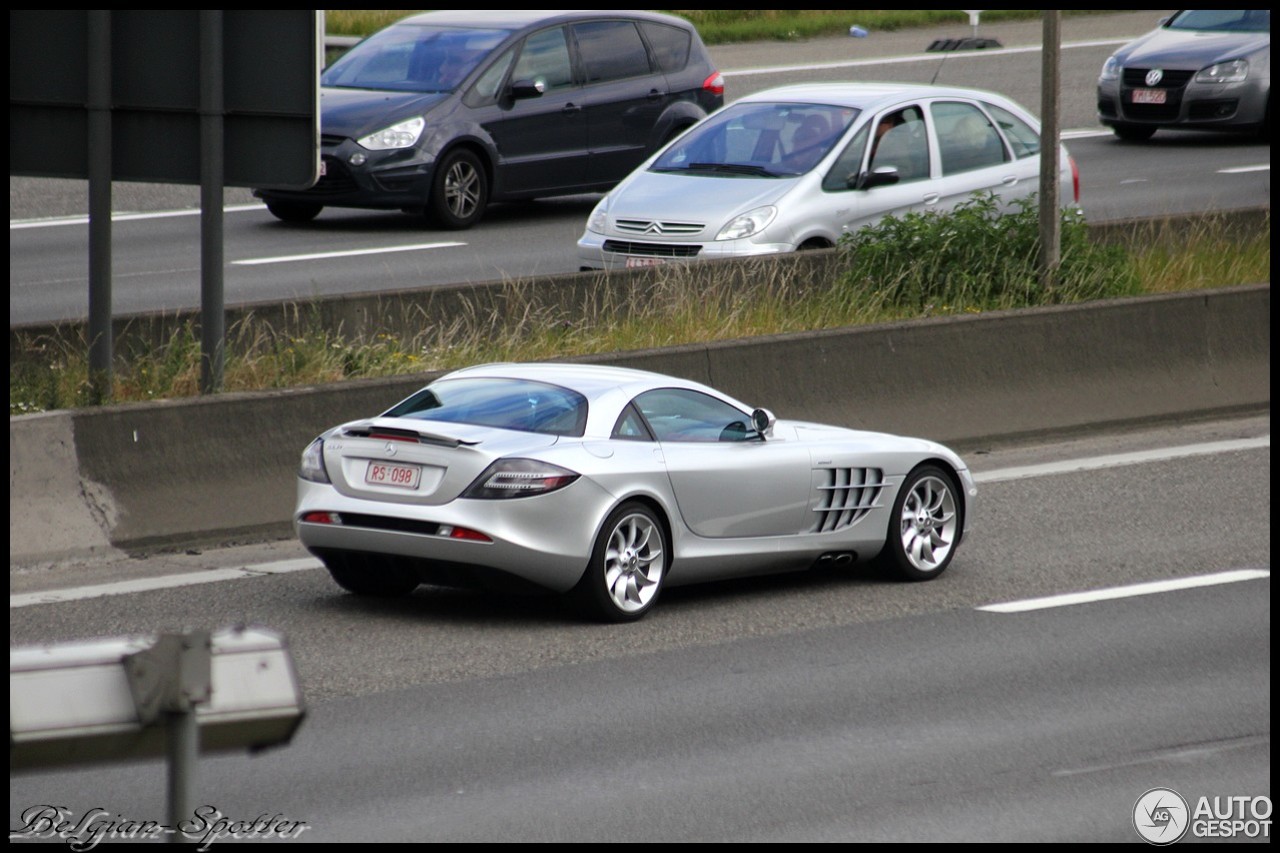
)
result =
(1223, 20)
(517, 404)
(762, 140)
(413, 58)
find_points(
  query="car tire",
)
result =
(1133, 132)
(369, 576)
(459, 191)
(628, 565)
(294, 211)
(924, 526)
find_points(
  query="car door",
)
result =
(973, 157)
(623, 96)
(900, 140)
(541, 141)
(726, 480)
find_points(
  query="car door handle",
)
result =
(655, 95)
(571, 108)
(932, 198)
(1009, 180)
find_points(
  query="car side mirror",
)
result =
(881, 176)
(762, 420)
(522, 89)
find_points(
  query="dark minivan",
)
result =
(443, 112)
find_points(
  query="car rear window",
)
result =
(611, 50)
(515, 404)
(670, 46)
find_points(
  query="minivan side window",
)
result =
(966, 138)
(849, 164)
(670, 45)
(611, 50)
(1025, 141)
(545, 57)
(900, 141)
(486, 89)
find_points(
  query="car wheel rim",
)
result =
(929, 524)
(462, 190)
(633, 563)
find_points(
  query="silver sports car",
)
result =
(609, 483)
(1202, 69)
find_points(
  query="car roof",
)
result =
(515, 19)
(591, 380)
(866, 96)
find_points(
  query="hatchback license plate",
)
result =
(400, 476)
(1149, 96)
(644, 262)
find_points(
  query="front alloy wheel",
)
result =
(627, 566)
(459, 191)
(924, 526)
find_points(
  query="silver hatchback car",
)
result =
(796, 167)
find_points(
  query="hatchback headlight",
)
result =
(312, 466)
(1225, 72)
(402, 135)
(1110, 69)
(748, 224)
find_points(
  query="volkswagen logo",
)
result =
(1154, 76)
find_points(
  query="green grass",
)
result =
(721, 26)
(976, 262)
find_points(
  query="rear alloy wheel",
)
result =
(1133, 132)
(628, 565)
(923, 527)
(368, 576)
(294, 211)
(459, 191)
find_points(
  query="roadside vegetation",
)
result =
(977, 261)
(723, 26)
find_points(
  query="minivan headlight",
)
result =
(599, 217)
(401, 135)
(748, 224)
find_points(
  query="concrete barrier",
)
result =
(222, 469)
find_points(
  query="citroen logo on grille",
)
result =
(653, 228)
(1154, 76)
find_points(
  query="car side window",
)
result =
(1024, 139)
(670, 45)
(677, 414)
(631, 427)
(545, 57)
(611, 50)
(966, 138)
(901, 142)
(486, 89)
(849, 163)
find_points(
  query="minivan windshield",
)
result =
(413, 58)
(759, 140)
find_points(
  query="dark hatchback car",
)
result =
(442, 113)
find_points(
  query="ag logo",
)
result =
(1161, 816)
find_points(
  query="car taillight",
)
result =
(714, 84)
(519, 478)
(1075, 178)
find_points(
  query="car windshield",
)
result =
(1222, 20)
(413, 58)
(759, 140)
(516, 404)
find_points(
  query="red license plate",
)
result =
(388, 474)
(1149, 96)
(644, 262)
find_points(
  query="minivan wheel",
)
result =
(459, 191)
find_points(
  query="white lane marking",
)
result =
(1117, 460)
(305, 563)
(350, 253)
(1241, 169)
(54, 221)
(1176, 756)
(1126, 591)
(915, 57)
(57, 596)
